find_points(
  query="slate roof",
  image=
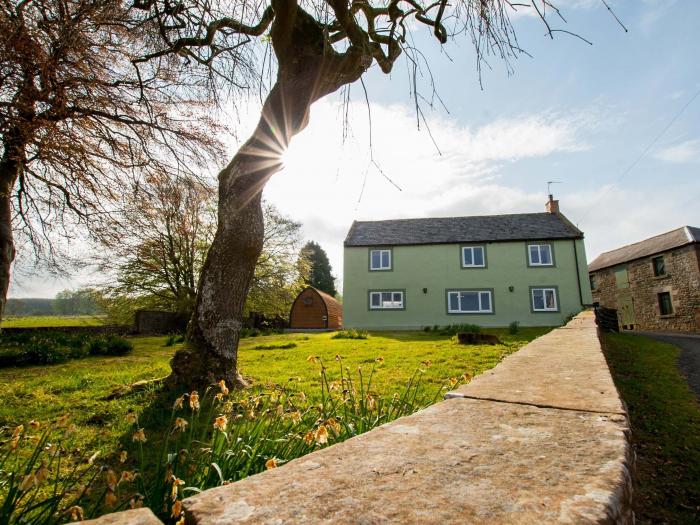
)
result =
(658, 244)
(450, 230)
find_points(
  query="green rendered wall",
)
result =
(438, 268)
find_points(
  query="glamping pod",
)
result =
(314, 309)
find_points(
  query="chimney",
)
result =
(552, 206)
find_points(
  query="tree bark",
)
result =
(10, 166)
(308, 69)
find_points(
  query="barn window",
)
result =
(386, 300)
(659, 266)
(473, 257)
(665, 303)
(380, 260)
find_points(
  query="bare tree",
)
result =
(78, 121)
(319, 46)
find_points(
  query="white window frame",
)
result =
(392, 306)
(539, 255)
(544, 289)
(381, 267)
(472, 248)
(479, 311)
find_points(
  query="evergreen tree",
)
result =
(320, 271)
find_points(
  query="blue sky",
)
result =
(573, 113)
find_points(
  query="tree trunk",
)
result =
(307, 70)
(9, 171)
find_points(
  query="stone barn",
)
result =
(314, 309)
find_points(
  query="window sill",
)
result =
(667, 316)
(661, 277)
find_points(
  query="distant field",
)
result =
(42, 321)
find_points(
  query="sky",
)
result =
(616, 124)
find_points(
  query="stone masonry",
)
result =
(682, 280)
(541, 438)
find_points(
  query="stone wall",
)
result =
(541, 438)
(682, 280)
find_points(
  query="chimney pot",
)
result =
(552, 205)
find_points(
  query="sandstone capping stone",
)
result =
(127, 517)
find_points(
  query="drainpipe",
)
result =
(578, 274)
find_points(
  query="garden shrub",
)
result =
(514, 328)
(352, 333)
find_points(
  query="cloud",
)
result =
(688, 151)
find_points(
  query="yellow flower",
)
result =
(130, 417)
(224, 388)
(173, 490)
(466, 377)
(35, 424)
(321, 435)
(379, 359)
(28, 482)
(295, 416)
(271, 463)
(17, 431)
(453, 381)
(177, 509)
(370, 402)
(228, 406)
(122, 456)
(333, 424)
(180, 425)
(426, 363)
(139, 436)
(110, 498)
(302, 396)
(220, 423)
(111, 478)
(312, 359)
(177, 405)
(194, 400)
(127, 477)
(338, 357)
(251, 413)
(309, 437)
(334, 386)
(76, 513)
(219, 397)
(243, 402)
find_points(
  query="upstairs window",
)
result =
(540, 255)
(659, 266)
(386, 300)
(380, 260)
(469, 302)
(594, 282)
(665, 303)
(544, 300)
(473, 257)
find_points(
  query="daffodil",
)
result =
(76, 513)
(220, 423)
(180, 424)
(321, 435)
(177, 509)
(333, 424)
(295, 416)
(223, 387)
(194, 400)
(370, 403)
(122, 456)
(271, 463)
(453, 381)
(127, 477)
(312, 359)
(110, 498)
(379, 359)
(177, 405)
(309, 437)
(35, 424)
(139, 436)
(130, 417)
(111, 479)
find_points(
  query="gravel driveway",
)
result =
(689, 360)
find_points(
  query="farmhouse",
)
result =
(653, 284)
(486, 270)
(314, 309)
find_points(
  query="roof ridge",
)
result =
(644, 240)
(453, 217)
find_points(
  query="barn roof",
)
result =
(653, 245)
(450, 230)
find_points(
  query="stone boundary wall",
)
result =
(540, 438)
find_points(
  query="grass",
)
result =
(78, 387)
(665, 419)
(46, 321)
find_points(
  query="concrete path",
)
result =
(689, 360)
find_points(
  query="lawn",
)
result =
(46, 392)
(44, 321)
(665, 419)
(78, 387)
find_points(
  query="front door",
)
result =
(626, 313)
